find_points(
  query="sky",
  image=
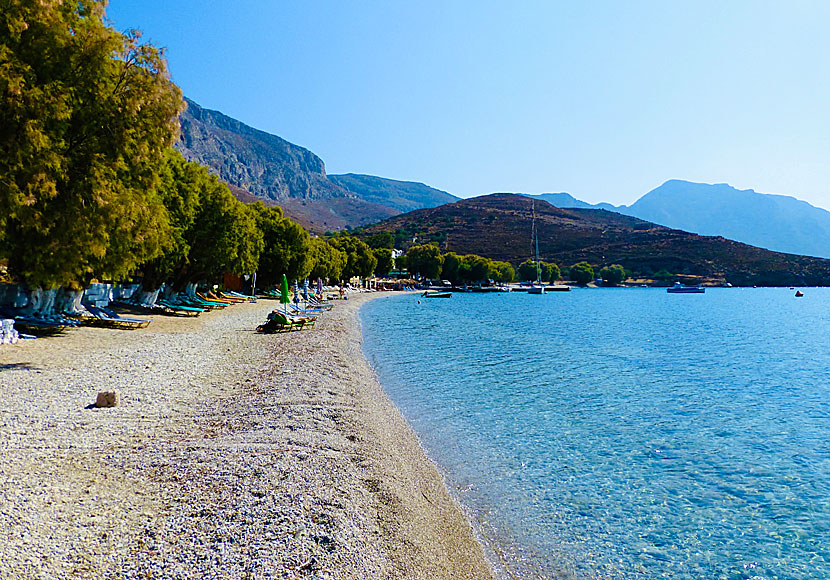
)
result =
(604, 100)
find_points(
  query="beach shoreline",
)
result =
(233, 454)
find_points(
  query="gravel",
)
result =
(232, 455)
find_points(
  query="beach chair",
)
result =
(281, 322)
(110, 318)
(179, 309)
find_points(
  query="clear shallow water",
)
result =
(625, 433)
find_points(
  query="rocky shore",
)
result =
(231, 455)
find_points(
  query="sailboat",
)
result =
(536, 287)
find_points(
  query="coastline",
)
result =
(233, 454)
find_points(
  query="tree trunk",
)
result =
(69, 301)
(41, 302)
(146, 298)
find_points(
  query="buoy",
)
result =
(799, 294)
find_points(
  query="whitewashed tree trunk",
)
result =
(69, 301)
(146, 298)
(41, 302)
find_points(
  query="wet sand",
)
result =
(232, 455)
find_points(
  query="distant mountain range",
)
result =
(258, 165)
(499, 226)
(775, 222)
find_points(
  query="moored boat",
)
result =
(679, 288)
(429, 294)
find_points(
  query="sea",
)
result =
(623, 433)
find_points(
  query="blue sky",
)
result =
(605, 100)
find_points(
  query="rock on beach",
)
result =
(240, 455)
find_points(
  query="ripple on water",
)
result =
(625, 433)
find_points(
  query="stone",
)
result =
(108, 399)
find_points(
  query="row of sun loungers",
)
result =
(294, 315)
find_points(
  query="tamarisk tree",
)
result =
(86, 114)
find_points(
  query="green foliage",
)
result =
(86, 114)
(360, 261)
(381, 240)
(527, 271)
(582, 273)
(449, 270)
(663, 274)
(180, 192)
(612, 275)
(384, 261)
(425, 260)
(550, 272)
(327, 261)
(287, 246)
(476, 268)
(502, 272)
(225, 236)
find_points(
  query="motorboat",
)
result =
(429, 294)
(679, 288)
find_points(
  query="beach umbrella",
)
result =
(296, 292)
(284, 299)
(320, 286)
(305, 289)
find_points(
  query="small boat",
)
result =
(799, 293)
(558, 288)
(678, 288)
(429, 294)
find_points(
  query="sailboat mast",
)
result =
(536, 241)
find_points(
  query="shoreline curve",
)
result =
(232, 455)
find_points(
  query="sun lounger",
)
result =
(180, 309)
(281, 322)
(107, 317)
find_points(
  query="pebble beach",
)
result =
(232, 454)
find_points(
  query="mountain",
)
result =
(562, 199)
(775, 222)
(265, 165)
(401, 195)
(261, 166)
(498, 226)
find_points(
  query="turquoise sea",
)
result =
(624, 433)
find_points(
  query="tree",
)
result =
(502, 272)
(550, 272)
(180, 189)
(224, 236)
(360, 262)
(425, 260)
(327, 261)
(384, 261)
(286, 246)
(86, 116)
(449, 269)
(381, 240)
(612, 275)
(478, 268)
(582, 273)
(527, 271)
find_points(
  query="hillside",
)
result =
(498, 226)
(775, 222)
(400, 195)
(261, 166)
